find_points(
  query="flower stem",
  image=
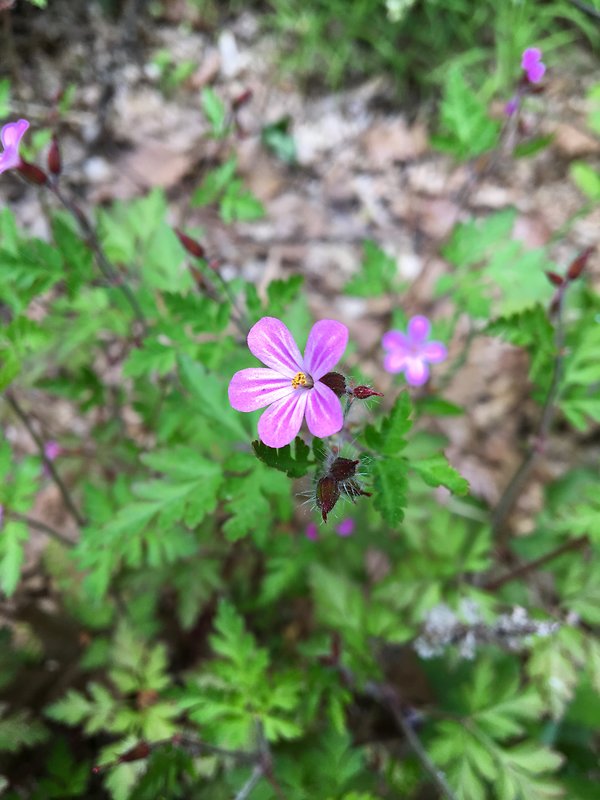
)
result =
(531, 566)
(66, 496)
(41, 526)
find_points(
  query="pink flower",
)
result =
(411, 352)
(311, 532)
(52, 450)
(346, 527)
(291, 385)
(11, 136)
(533, 65)
(512, 105)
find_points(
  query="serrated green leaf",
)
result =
(390, 487)
(436, 471)
(292, 459)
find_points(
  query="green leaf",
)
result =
(587, 179)
(215, 111)
(215, 183)
(390, 487)
(13, 536)
(389, 438)
(436, 471)
(292, 459)
(19, 730)
(378, 273)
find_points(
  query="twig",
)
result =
(93, 242)
(253, 780)
(387, 696)
(68, 501)
(41, 526)
(518, 480)
(530, 566)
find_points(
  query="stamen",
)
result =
(302, 379)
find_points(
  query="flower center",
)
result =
(302, 379)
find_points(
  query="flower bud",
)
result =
(54, 159)
(193, 247)
(336, 382)
(362, 392)
(555, 278)
(136, 753)
(32, 173)
(578, 264)
(343, 469)
(327, 495)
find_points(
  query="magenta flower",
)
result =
(52, 450)
(346, 527)
(11, 136)
(291, 385)
(311, 532)
(410, 352)
(533, 65)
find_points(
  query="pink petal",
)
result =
(311, 532)
(12, 133)
(280, 423)
(326, 344)
(536, 72)
(530, 57)
(324, 415)
(416, 372)
(418, 329)
(394, 362)
(346, 527)
(395, 340)
(272, 343)
(434, 352)
(258, 387)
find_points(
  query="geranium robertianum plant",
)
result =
(219, 639)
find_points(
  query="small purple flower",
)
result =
(346, 527)
(411, 352)
(533, 65)
(512, 105)
(11, 136)
(1, 514)
(291, 384)
(52, 450)
(311, 532)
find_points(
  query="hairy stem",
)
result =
(531, 566)
(41, 526)
(64, 492)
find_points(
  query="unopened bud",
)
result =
(54, 159)
(555, 278)
(336, 382)
(32, 173)
(193, 247)
(327, 495)
(578, 264)
(242, 99)
(362, 392)
(136, 753)
(343, 469)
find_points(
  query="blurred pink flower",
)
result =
(291, 384)
(311, 532)
(511, 106)
(346, 527)
(533, 65)
(11, 135)
(52, 450)
(411, 353)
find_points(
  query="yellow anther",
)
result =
(301, 379)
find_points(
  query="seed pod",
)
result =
(32, 173)
(327, 495)
(193, 247)
(578, 264)
(54, 159)
(343, 469)
(555, 278)
(136, 753)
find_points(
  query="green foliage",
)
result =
(215, 112)
(221, 186)
(378, 273)
(467, 131)
(295, 464)
(587, 180)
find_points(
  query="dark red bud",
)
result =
(362, 392)
(336, 382)
(578, 264)
(343, 469)
(242, 99)
(54, 159)
(327, 495)
(193, 247)
(96, 770)
(555, 278)
(137, 752)
(32, 173)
